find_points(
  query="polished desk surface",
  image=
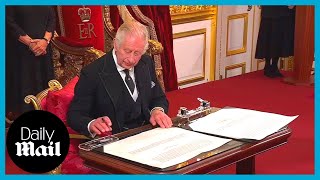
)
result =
(239, 152)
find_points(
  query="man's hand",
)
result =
(160, 118)
(100, 125)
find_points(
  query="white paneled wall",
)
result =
(192, 46)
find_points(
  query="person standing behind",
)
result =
(276, 37)
(120, 90)
(29, 66)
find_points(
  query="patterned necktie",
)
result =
(129, 80)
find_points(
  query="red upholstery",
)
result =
(82, 32)
(43, 103)
(57, 102)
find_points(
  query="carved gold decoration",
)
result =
(244, 35)
(286, 63)
(68, 61)
(61, 21)
(54, 85)
(291, 63)
(234, 66)
(107, 21)
(183, 14)
(180, 9)
(36, 100)
(155, 47)
(109, 32)
(125, 14)
(189, 34)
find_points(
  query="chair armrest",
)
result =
(35, 100)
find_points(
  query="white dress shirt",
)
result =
(120, 69)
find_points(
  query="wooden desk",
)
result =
(241, 153)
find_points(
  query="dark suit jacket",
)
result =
(97, 93)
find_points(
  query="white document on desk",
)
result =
(240, 123)
(164, 147)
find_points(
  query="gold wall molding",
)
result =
(213, 47)
(189, 34)
(183, 14)
(235, 66)
(291, 63)
(243, 49)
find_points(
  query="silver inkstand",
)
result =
(185, 116)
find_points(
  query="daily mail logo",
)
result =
(38, 138)
(27, 148)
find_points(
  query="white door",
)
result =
(236, 38)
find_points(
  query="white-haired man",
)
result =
(120, 91)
